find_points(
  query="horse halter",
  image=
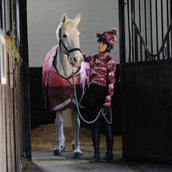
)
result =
(66, 49)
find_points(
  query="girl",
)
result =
(100, 91)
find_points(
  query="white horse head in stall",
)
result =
(61, 63)
(69, 44)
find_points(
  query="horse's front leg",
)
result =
(76, 144)
(60, 138)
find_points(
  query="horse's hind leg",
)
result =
(60, 138)
(76, 124)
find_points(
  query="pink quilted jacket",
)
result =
(102, 72)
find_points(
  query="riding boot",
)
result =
(109, 144)
(96, 140)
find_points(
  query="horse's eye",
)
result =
(64, 35)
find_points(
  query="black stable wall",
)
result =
(40, 116)
(117, 105)
(148, 111)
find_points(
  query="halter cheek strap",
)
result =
(66, 49)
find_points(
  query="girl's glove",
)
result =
(106, 109)
(107, 114)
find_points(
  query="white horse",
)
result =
(60, 62)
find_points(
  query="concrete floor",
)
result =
(44, 161)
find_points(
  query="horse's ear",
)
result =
(77, 19)
(64, 18)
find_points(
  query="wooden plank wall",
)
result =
(7, 134)
(148, 111)
(3, 155)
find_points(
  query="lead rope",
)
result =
(104, 115)
(101, 112)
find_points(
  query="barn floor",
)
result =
(43, 137)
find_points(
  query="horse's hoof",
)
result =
(78, 155)
(57, 152)
(62, 148)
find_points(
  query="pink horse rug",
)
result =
(58, 92)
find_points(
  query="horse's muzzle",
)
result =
(76, 60)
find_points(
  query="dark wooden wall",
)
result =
(148, 111)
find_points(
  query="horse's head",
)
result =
(68, 36)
